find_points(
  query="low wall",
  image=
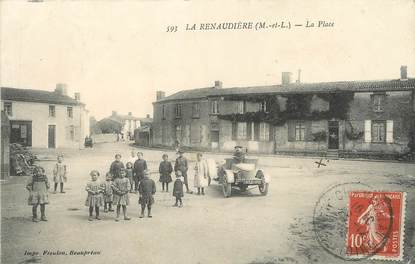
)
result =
(104, 138)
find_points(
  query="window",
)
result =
(378, 102)
(241, 132)
(163, 112)
(215, 107)
(264, 132)
(69, 110)
(378, 131)
(178, 110)
(8, 109)
(299, 131)
(52, 112)
(196, 110)
(240, 107)
(263, 106)
(179, 133)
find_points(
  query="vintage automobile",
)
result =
(242, 175)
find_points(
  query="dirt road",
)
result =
(246, 228)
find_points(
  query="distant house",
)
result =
(350, 118)
(45, 119)
(124, 124)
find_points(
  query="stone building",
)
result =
(44, 119)
(350, 118)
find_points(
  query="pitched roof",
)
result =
(37, 96)
(295, 88)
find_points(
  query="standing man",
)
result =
(140, 166)
(182, 166)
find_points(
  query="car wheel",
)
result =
(263, 188)
(227, 189)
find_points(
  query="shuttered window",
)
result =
(379, 131)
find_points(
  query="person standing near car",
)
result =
(182, 166)
(201, 174)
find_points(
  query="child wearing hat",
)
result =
(94, 199)
(182, 166)
(178, 190)
(38, 187)
(146, 189)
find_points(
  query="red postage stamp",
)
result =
(376, 225)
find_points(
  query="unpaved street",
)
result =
(246, 228)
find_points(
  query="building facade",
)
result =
(43, 119)
(355, 118)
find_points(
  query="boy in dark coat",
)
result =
(146, 189)
(178, 190)
(182, 166)
(116, 167)
(140, 166)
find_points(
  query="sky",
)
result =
(117, 54)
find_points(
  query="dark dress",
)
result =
(147, 189)
(165, 170)
(178, 188)
(140, 166)
(115, 168)
(38, 187)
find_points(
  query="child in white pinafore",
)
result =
(95, 198)
(60, 172)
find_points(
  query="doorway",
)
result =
(333, 141)
(52, 136)
(21, 133)
(214, 139)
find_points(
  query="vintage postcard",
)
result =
(234, 132)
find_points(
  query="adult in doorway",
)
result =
(182, 166)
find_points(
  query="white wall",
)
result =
(38, 113)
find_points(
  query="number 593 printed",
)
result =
(171, 29)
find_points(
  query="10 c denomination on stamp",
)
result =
(376, 225)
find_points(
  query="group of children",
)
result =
(120, 181)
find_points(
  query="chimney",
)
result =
(286, 78)
(160, 95)
(78, 96)
(148, 116)
(114, 113)
(299, 76)
(61, 89)
(404, 73)
(130, 113)
(218, 84)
